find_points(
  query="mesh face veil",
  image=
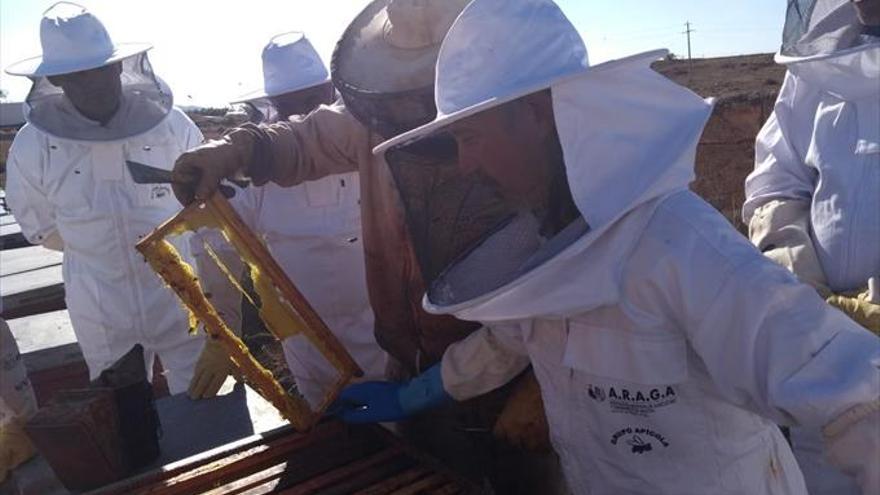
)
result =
(145, 101)
(469, 239)
(823, 27)
(383, 67)
(388, 114)
(446, 211)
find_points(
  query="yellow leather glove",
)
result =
(522, 422)
(197, 173)
(15, 448)
(211, 371)
(860, 309)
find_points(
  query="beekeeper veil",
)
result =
(384, 64)
(815, 28)
(384, 69)
(628, 136)
(290, 64)
(74, 41)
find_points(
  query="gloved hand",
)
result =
(853, 445)
(15, 448)
(198, 172)
(860, 309)
(376, 402)
(211, 371)
(522, 422)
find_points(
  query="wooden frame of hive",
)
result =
(283, 309)
(332, 458)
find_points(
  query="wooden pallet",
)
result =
(30, 282)
(10, 232)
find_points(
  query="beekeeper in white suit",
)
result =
(313, 230)
(93, 106)
(665, 345)
(813, 201)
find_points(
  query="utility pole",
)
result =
(688, 32)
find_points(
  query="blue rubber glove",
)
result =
(376, 402)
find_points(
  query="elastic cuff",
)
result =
(842, 423)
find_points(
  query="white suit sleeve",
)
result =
(780, 171)
(853, 445)
(779, 192)
(484, 361)
(25, 193)
(781, 230)
(772, 345)
(768, 342)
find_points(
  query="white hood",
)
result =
(629, 137)
(823, 45)
(818, 29)
(850, 75)
(146, 101)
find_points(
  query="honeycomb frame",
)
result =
(284, 310)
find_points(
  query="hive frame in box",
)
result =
(286, 313)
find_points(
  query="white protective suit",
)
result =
(821, 149)
(314, 233)
(815, 193)
(77, 196)
(665, 345)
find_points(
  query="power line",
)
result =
(669, 32)
(688, 32)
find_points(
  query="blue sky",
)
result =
(209, 51)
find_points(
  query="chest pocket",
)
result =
(153, 153)
(291, 213)
(620, 355)
(322, 193)
(342, 217)
(69, 178)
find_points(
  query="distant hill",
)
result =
(728, 78)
